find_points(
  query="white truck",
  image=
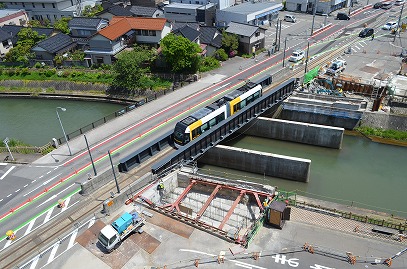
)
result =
(111, 236)
(336, 67)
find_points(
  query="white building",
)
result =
(259, 13)
(220, 4)
(13, 17)
(322, 6)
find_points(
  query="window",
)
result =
(145, 32)
(257, 34)
(23, 4)
(55, 17)
(53, 5)
(152, 33)
(48, 17)
(33, 5)
(5, 43)
(43, 5)
(138, 32)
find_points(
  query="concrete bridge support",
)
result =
(312, 134)
(269, 164)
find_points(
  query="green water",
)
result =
(35, 121)
(362, 173)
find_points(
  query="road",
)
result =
(29, 194)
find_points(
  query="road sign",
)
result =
(6, 140)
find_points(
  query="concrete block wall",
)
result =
(97, 182)
(384, 121)
(112, 204)
(307, 133)
(274, 165)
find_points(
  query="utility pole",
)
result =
(114, 174)
(275, 44)
(90, 155)
(279, 37)
(313, 17)
(306, 59)
(285, 46)
(398, 23)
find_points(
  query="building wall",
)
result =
(180, 14)
(16, 18)
(292, 5)
(5, 46)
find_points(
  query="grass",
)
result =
(387, 134)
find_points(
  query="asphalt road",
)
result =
(29, 194)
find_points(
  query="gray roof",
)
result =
(187, 32)
(208, 36)
(119, 11)
(241, 29)
(14, 29)
(143, 11)
(4, 35)
(57, 43)
(84, 22)
(249, 7)
(176, 25)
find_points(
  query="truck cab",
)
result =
(112, 235)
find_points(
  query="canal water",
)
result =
(362, 173)
(34, 121)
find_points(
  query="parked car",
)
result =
(399, 2)
(336, 67)
(366, 32)
(390, 25)
(387, 5)
(378, 5)
(296, 56)
(290, 18)
(342, 16)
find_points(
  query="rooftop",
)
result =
(85, 22)
(241, 29)
(56, 43)
(249, 7)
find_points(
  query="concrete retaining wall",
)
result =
(100, 180)
(384, 121)
(274, 165)
(112, 204)
(313, 134)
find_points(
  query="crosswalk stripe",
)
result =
(53, 252)
(72, 239)
(35, 261)
(30, 226)
(48, 216)
(8, 243)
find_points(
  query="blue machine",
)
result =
(123, 222)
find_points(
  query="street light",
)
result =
(60, 122)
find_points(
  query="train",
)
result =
(205, 118)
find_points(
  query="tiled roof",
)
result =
(4, 35)
(14, 29)
(121, 25)
(84, 22)
(211, 36)
(241, 29)
(119, 11)
(143, 11)
(187, 32)
(57, 43)
(176, 25)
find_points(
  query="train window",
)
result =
(256, 95)
(212, 122)
(243, 104)
(250, 99)
(204, 127)
(220, 117)
(196, 132)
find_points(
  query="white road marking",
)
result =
(9, 195)
(41, 176)
(1, 200)
(49, 172)
(3, 163)
(30, 226)
(217, 89)
(43, 184)
(25, 186)
(72, 239)
(65, 189)
(49, 199)
(17, 190)
(48, 216)
(53, 252)
(8, 243)
(35, 261)
(6, 173)
(91, 222)
(56, 167)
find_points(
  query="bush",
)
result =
(66, 74)
(50, 72)
(209, 63)
(221, 55)
(24, 71)
(37, 65)
(232, 53)
(11, 72)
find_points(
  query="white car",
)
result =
(297, 55)
(390, 25)
(399, 2)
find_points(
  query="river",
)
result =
(34, 121)
(362, 173)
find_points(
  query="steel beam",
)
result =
(180, 197)
(207, 203)
(232, 208)
(258, 201)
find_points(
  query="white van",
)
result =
(290, 18)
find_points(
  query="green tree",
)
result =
(27, 38)
(180, 53)
(230, 42)
(90, 11)
(34, 23)
(131, 67)
(62, 25)
(2, 5)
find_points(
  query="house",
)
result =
(114, 11)
(322, 7)
(51, 10)
(191, 13)
(13, 31)
(5, 43)
(123, 32)
(81, 28)
(13, 17)
(146, 3)
(254, 13)
(220, 4)
(58, 44)
(251, 37)
(208, 38)
(148, 12)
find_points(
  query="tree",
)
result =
(90, 11)
(230, 42)
(131, 67)
(180, 53)
(19, 53)
(27, 38)
(62, 25)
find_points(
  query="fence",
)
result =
(27, 150)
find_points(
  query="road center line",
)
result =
(6, 173)
(43, 184)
